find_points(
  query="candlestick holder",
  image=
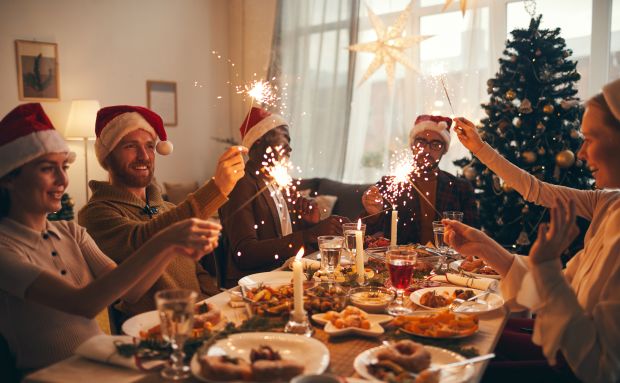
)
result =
(300, 325)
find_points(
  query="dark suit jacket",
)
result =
(253, 233)
(453, 194)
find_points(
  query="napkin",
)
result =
(305, 263)
(102, 348)
(465, 281)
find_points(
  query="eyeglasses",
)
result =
(435, 145)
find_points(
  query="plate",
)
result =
(269, 278)
(439, 356)
(375, 326)
(310, 352)
(426, 314)
(490, 303)
(456, 266)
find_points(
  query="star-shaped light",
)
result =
(390, 45)
(462, 5)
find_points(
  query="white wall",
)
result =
(108, 49)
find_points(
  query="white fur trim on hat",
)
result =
(441, 128)
(259, 130)
(26, 148)
(611, 92)
(116, 129)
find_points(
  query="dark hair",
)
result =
(5, 198)
(599, 102)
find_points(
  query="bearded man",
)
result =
(125, 212)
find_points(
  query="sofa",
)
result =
(348, 202)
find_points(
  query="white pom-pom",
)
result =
(164, 147)
(71, 157)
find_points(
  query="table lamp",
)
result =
(81, 124)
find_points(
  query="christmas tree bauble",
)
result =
(541, 151)
(548, 108)
(529, 157)
(526, 106)
(470, 173)
(523, 239)
(567, 104)
(541, 127)
(510, 94)
(516, 122)
(503, 125)
(565, 159)
(538, 52)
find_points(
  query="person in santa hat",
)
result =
(128, 210)
(429, 140)
(264, 233)
(54, 279)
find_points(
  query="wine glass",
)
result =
(176, 313)
(330, 247)
(440, 244)
(456, 216)
(348, 230)
(400, 261)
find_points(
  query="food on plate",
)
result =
(444, 324)
(434, 300)
(276, 301)
(325, 297)
(342, 274)
(371, 299)
(349, 317)
(206, 315)
(371, 242)
(266, 365)
(408, 354)
(475, 265)
(422, 284)
(423, 267)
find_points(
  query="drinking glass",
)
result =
(400, 261)
(348, 230)
(176, 314)
(442, 247)
(455, 215)
(330, 247)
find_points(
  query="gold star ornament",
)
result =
(390, 45)
(462, 5)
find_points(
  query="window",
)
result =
(614, 51)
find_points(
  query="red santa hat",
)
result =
(115, 122)
(438, 124)
(25, 134)
(611, 93)
(257, 123)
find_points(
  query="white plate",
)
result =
(456, 266)
(269, 278)
(489, 303)
(375, 325)
(439, 356)
(311, 353)
(426, 313)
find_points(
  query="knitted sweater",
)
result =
(116, 220)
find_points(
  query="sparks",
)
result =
(261, 92)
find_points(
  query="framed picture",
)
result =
(161, 97)
(37, 71)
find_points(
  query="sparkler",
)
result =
(445, 90)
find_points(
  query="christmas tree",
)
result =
(66, 210)
(533, 120)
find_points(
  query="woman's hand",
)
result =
(193, 237)
(467, 134)
(372, 200)
(230, 168)
(557, 235)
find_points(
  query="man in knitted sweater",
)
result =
(124, 213)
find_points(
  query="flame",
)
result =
(359, 224)
(300, 254)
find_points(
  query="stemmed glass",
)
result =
(330, 247)
(400, 261)
(348, 230)
(176, 313)
(440, 244)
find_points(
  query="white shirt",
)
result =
(283, 213)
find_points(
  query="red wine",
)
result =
(400, 273)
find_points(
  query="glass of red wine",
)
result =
(400, 261)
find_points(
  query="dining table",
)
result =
(342, 352)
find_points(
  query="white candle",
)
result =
(394, 228)
(298, 287)
(359, 252)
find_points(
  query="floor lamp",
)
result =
(81, 124)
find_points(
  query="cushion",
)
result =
(178, 191)
(349, 202)
(325, 203)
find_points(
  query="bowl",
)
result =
(324, 297)
(372, 299)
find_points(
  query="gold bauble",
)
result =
(548, 108)
(565, 159)
(516, 122)
(529, 157)
(510, 94)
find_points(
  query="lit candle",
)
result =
(359, 252)
(298, 287)
(394, 227)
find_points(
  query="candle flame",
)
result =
(359, 224)
(300, 254)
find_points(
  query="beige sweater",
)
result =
(116, 220)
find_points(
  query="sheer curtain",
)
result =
(311, 63)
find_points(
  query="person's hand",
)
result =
(372, 200)
(230, 168)
(308, 210)
(465, 239)
(193, 237)
(467, 134)
(555, 237)
(331, 225)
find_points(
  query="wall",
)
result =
(108, 49)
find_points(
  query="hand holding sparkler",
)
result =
(372, 201)
(307, 209)
(230, 168)
(467, 134)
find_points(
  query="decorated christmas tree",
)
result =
(533, 120)
(66, 210)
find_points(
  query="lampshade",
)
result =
(81, 123)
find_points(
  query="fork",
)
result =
(457, 302)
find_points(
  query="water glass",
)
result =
(348, 230)
(176, 314)
(440, 244)
(454, 215)
(330, 247)
(400, 261)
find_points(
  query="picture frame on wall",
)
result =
(37, 70)
(161, 97)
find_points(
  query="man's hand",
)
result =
(372, 200)
(308, 210)
(467, 134)
(555, 237)
(230, 168)
(331, 225)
